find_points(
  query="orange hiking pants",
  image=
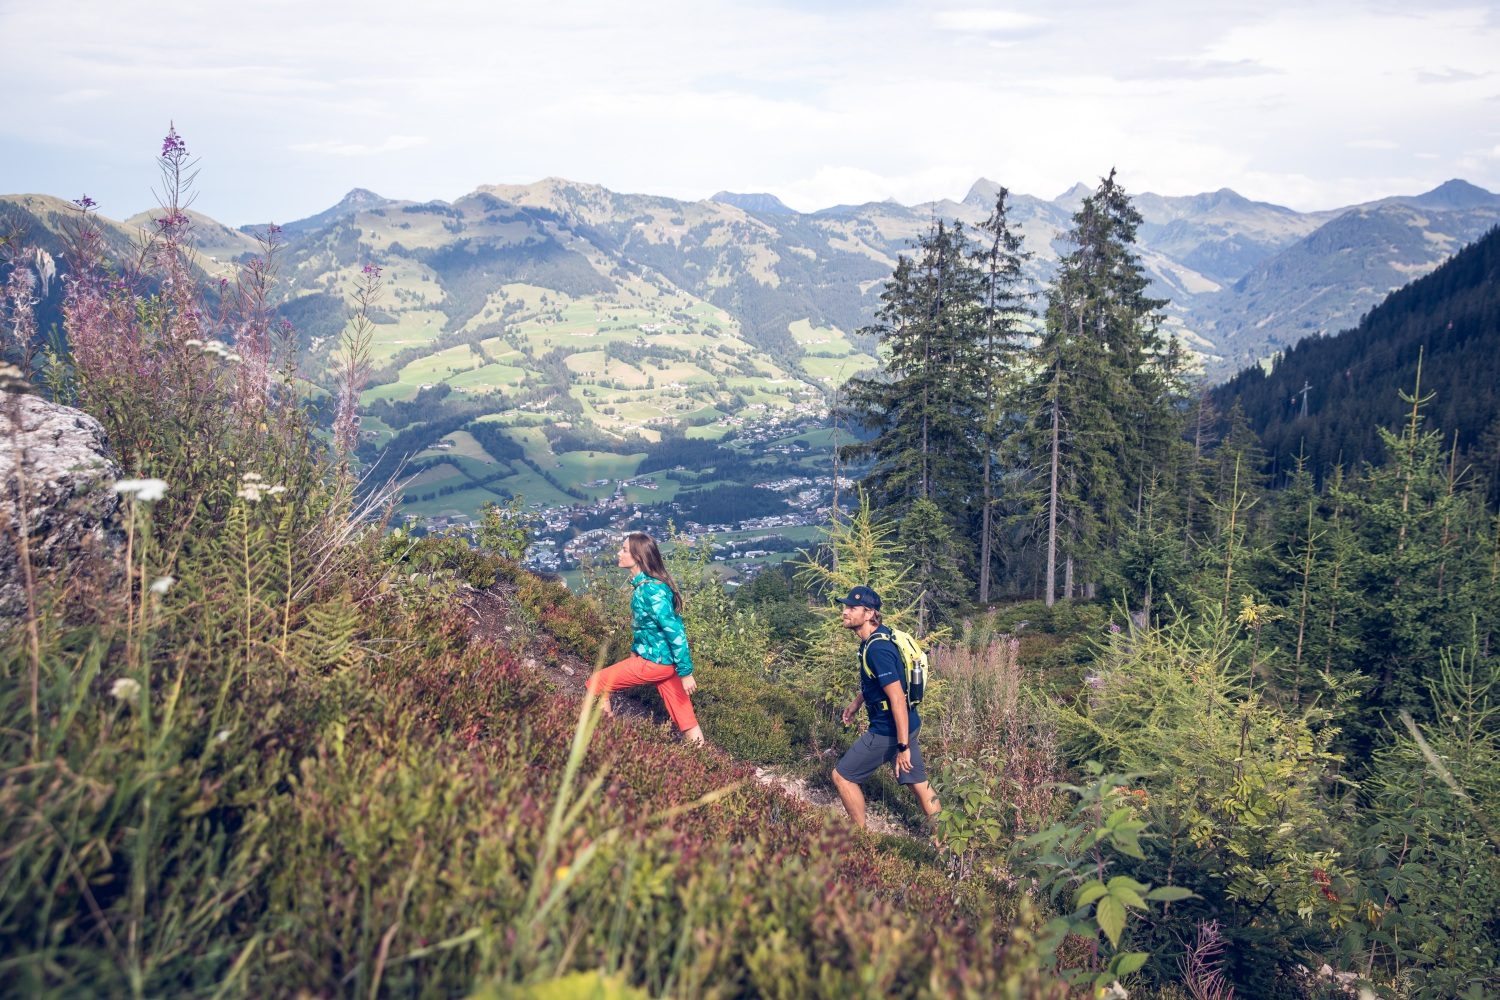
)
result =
(635, 670)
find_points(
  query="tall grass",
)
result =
(996, 752)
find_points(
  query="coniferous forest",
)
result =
(1445, 322)
(1302, 665)
(1214, 706)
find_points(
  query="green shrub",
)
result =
(1240, 792)
(750, 717)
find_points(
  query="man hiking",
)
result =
(892, 736)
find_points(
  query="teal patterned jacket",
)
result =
(658, 627)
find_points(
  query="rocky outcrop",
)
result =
(56, 474)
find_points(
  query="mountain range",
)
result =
(1246, 279)
(573, 318)
(1325, 402)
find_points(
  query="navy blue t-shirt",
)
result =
(886, 664)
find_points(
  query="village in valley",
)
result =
(797, 493)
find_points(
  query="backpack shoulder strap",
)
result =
(905, 673)
(864, 654)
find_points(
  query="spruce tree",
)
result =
(1003, 315)
(1412, 604)
(1105, 412)
(923, 412)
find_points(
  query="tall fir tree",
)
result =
(924, 411)
(1003, 314)
(1105, 410)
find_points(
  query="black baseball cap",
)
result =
(860, 597)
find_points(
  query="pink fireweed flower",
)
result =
(86, 203)
(372, 270)
(173, 144)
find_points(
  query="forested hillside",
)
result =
(1447, 322)
(1326, 281)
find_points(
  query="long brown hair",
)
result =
(648, 560)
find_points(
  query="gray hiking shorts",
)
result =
(871, 751)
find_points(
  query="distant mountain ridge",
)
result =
(1326, 281)
(768, 203)
(356, 201)
(1451, 196)
(1246, 279)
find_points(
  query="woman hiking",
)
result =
(659, 650)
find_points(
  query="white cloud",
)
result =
(77, 96)
(846, 185)
(335, 148)
(987, 20)
(904, 99)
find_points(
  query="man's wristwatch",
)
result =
(902, 748)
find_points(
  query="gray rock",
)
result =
(66, 470)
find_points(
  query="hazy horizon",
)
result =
(395, 196)
(1307, 106)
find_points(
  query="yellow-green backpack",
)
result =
(912, 657)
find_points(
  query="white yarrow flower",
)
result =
(221, 736)
(250, 491)
(125, 689)
(276, 491)
(145, 490)
(251, 477)
(162, 584)
(192, 342)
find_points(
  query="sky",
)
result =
(290, 104)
